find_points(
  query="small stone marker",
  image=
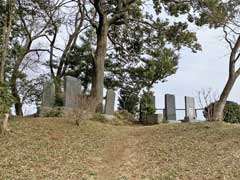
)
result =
(48, 97)
(170, 107)
(190, 110)
(72, 92)
(110, 102)
(152, 119)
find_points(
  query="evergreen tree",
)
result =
(128, 100)
(147, 105)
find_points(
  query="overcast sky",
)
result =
(204, 70)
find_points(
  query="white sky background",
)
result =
(204, 70)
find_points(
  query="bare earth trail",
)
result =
(56, 149)
(120, 155)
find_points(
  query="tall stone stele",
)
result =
(190, 110)
(110, 102)
(48, 96)
(170, 107)
(72, 92)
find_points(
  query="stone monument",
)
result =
(110, 102)
(72, 92)
(170, 107)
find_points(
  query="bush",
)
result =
(125, 117)
(231, 112)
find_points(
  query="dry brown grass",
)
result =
(85, 110)
(56, 149)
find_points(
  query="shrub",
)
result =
(231, 112)
(125, 117)
(99, 117)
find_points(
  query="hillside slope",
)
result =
(56, 149)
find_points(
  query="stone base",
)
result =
(108, 117)
(152, 119)
(172, 121)
(190, 120)
(51, 112)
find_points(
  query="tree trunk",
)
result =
(98, 79)
(5, 40)
(58, 91)
(219, 106)
(4, 124)
(14, 90)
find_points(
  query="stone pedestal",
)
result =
(152, 119)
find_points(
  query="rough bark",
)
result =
(220, 104)
(17, 104)
(58, 91)
(5, 40)
(4, 124)
(232, 77)
(98, 79)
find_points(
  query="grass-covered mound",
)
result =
(51, 148)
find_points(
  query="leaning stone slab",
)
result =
(110, 102)
(190, 110)
(170, 107)
(72, 92)
(152, 119)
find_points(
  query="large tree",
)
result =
(229, 21)
(66, 23)
(29, 28)
(113, 18)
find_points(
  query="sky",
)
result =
(204, 70)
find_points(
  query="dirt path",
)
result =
(120, 155)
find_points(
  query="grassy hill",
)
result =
(56, 149)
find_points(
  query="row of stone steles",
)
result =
(72, 92)
(169, 114)
(170, 108)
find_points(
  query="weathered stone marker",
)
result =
(48, 97)
(170, 107)
(190, 110)
(110, 102)
(72, 92)
(152, 119)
